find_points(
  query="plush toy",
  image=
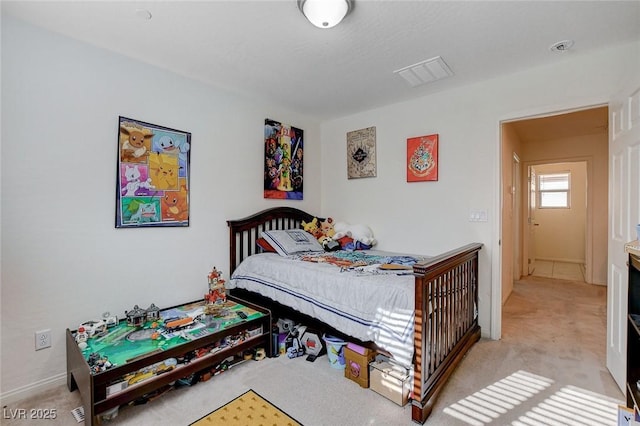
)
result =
(326, 227)
(346, 243)
(312, 227)
(328, 243)
(323, 232)
(359, 233)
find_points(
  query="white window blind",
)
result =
(554, 189)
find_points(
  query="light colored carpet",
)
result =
(549, 368)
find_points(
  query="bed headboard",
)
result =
(244, 232)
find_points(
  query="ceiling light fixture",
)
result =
(325, 13)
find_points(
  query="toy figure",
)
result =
(94, 328)
(81, 338)
(216, 297)
(98, 363)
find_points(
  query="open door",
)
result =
(531, 220)
(624, 214)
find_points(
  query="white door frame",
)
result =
(495, 331)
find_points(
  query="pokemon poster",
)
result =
(152, 175)
(283, 163)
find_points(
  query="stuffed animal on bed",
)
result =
(323, 232)
(312, 227)
(361, 235)
(326, 227)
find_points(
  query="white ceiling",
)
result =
(267, 48)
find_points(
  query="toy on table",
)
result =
(98, 363)
(94, 328)
(110, 320)
(216, 297)
(81, 338)
(138, 316)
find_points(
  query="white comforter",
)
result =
(369, 307)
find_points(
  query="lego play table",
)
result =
(128, 362)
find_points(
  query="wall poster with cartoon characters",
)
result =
(153, 175)
(284, 155)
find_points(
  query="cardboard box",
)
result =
(357, 361)
(390, 381)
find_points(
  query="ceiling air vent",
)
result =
(425, 72)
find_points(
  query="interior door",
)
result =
(624, 214)
(531, 219)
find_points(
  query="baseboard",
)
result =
(32, 389)
(553, 259)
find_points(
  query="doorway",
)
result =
(557, 220)
(579, 136)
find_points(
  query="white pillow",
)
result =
(291, 241)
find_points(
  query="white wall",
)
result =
(430, 217)
(62, 260)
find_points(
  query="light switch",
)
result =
(476, 215)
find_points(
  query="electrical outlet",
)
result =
(43, 339)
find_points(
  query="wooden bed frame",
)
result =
(446, 300)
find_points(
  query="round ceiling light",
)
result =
(325, 13)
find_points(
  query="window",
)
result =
(553, 190)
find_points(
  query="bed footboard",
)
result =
(446, 322)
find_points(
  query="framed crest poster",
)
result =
(284, 160)
(152, 175)
(361, 153)
(422, 158)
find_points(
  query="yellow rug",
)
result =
(247, 409)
